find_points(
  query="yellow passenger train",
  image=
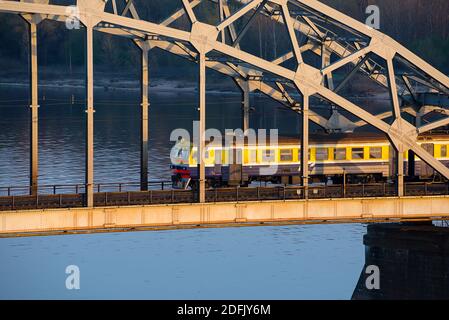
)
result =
(360, 157)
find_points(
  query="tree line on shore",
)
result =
(421, 25)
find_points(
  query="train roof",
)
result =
(344, 138)
(338, 138)
(358, 137)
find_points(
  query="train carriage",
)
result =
(361, 157)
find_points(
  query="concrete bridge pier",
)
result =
(410, 260)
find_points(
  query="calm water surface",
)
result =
(292, 262)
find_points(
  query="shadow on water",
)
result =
(412, 261)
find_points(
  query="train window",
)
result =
(340, 153)
(375, 153)
(286, 155)
(444, 151)
(357, 153)
(268, 155)
(322, 154)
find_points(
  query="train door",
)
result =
(235, 166)
(425, 169)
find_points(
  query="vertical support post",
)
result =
(418, 120)
(34, 130)
(90, 117)
(245, 105)
(144, 118)
(393, 89)
(325, 62)
(305, 145)
(202, 126)
(328, 80)
(400, 171)
(397, 114)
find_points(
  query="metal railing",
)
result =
(120, 195)
(298, 192)
(80, 188)
(426, 189)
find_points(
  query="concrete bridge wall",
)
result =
(100, 219)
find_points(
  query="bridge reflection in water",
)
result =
(413, 261)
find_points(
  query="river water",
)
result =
(291, 262)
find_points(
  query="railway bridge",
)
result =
(323, 43)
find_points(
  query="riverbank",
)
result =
(167, 82)
(53, 78)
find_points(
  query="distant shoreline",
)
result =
(122, 82)
(159, 84)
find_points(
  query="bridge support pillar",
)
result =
(34, 129)
(89, 178)
(305, 145)
(202, 126)
(144, 117)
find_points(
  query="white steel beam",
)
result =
(291, 32)
(248, 23)
(89, 184)
(189, 11)
(144, 117)
(34, 107)
(393, 89)
(178, 14)
(348, 59)
(202, 127)
(305, 144)
(238, 14)
(433, 125)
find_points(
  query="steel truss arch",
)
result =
(339, 40)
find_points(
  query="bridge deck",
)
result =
(124, 196)
(167, 209)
